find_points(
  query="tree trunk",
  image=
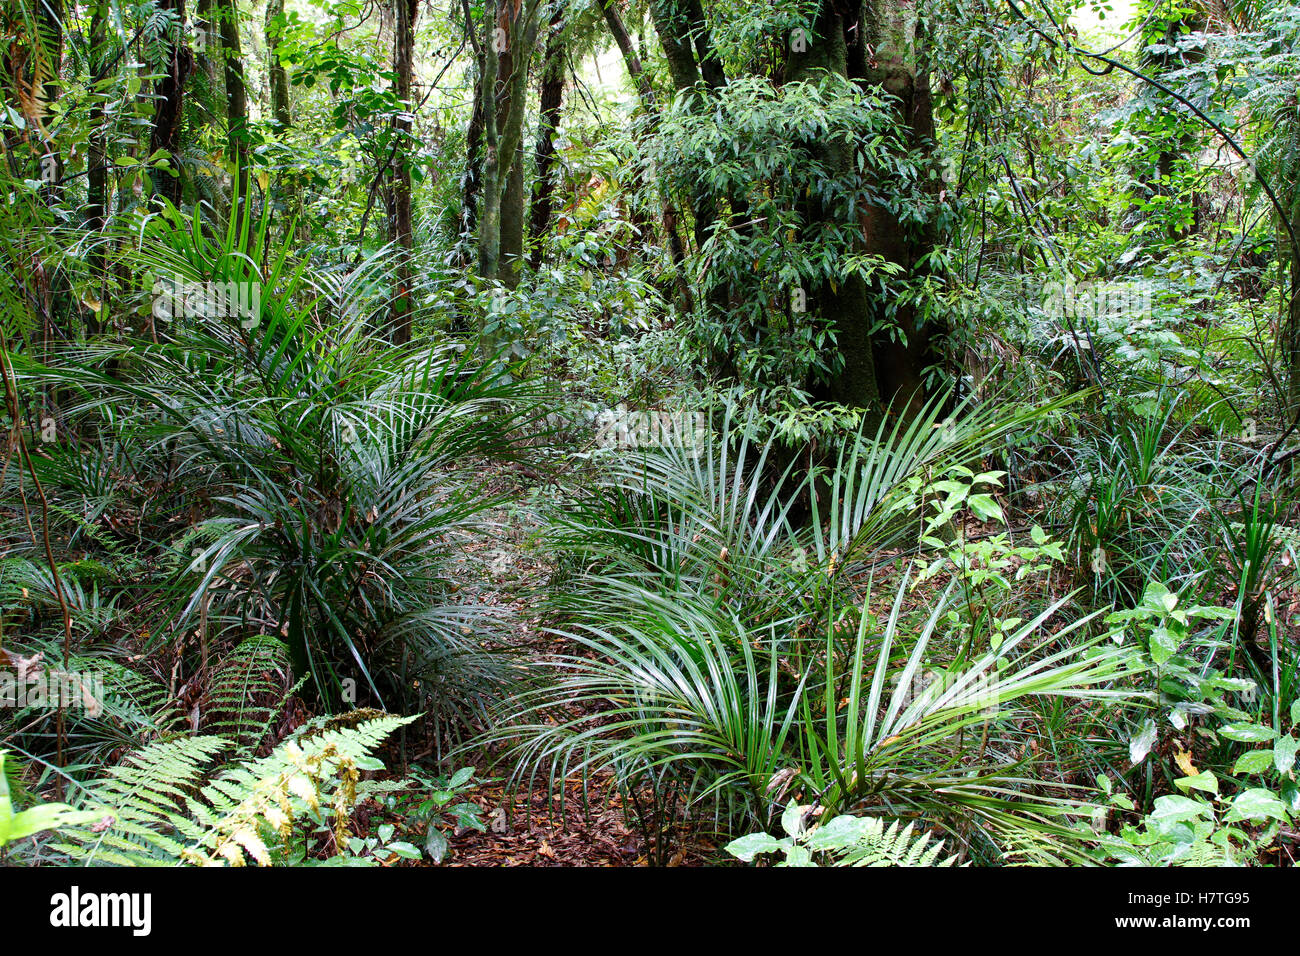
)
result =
(236, 95)
(688, 49)
(1159, 180)
(847, 304)
(51, 28)
(511, 34)
(97, 166)
(473, 169)
(873, 43)
(512, 94)
(890, 51)
(403, 235)
(207, 54)
(646, 94)
(512, 221)
(169, 93)
(489, 218)
(542, 206)
(278, 75)
(1291, 328)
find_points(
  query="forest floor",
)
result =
(588, 823)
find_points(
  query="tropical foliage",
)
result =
(797, 433)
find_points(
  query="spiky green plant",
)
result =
(329, 480)
(710, 654)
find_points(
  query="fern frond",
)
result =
(248, 690)
(164, 806)
(877, 846)
(144, 800)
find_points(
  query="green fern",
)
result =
(142, 800)
(248, 691)
(877, 846)
(846, 840)
(164, 806)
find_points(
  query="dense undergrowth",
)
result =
(1040, 609)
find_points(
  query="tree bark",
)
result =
(847, 305)
(51, 27)
(646, 93)
(874, 43)
(169, 94)
(278, 75)
(892, 53)
(236, 95)
(403, 235)
(1291, 328)
(207, 54)
(511, 34)
(542, 206)
(512, 94)
(97, 165)
(694, 67)
(472, 186)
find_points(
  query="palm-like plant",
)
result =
(329, 479)
(709, 649)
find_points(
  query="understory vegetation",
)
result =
(650, 432)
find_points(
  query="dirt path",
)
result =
(586, 826)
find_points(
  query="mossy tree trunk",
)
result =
(236, 96)
(542, 204)
(169, 95)
(510, 36)
(402, 233)
(669, 215)
(276, 71)
(874, 43)
(96, 214)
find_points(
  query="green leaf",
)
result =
(1256, 804)
(47, 816)
(1175, 809)
(1284, 752)
(1142, 742)
(985, 508)
(841, 832)
(1248, 733)
(404, 850)
(1254, 761)
(1163, 645)
(435, 844)
(1202, 781)
(792, 819)
(749, 846)
(799, 856)
(6, 806)
(460, 778)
